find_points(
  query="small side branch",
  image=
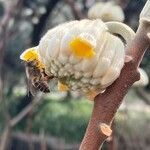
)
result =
(12, 122)
(5, 138)
(26, 110)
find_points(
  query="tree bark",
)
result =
(5, 138)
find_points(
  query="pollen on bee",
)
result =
(62, 87)
(29, 55)
(82, 48)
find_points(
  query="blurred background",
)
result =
(57, 121)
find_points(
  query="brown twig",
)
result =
(26, 110)
(10, 9)
(4, 33)
(12, 122)
(75, 10)
(38, 28)
(107, 104)
(5, 138)
(122, 3)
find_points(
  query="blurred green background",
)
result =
(59, 120)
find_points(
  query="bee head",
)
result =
(31, 63)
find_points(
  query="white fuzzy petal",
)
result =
(106, 56)
(95, 81)
(117, 64)
(52, 50)
(110, 76)
(77, 75)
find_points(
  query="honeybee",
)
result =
(37, 78)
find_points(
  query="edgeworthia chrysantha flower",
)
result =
(107, 11)
(85, 55)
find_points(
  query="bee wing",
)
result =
(31, 89)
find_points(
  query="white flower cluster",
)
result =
(84, 55)
(107, 11)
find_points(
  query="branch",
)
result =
(12, 122)
(10, 9)
(26, 110)
(107, 104)
(38, 28)
(75, 10)
(5, 138)
(123, 3)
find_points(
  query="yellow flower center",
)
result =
(62, 87)
(82, 48)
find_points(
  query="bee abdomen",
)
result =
(41, 86)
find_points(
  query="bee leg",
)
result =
(45, 76)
